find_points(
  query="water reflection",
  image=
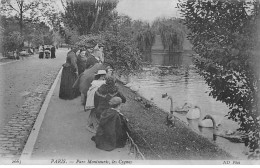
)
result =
(185, 85)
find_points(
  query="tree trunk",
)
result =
(96, 18)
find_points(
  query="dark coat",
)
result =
(68, 77)
(91, 61)
(111, 132)
(84, 80)
(81, 62)
(101, 101)
(53, 52)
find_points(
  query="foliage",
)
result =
(12, 41)
(117, 49)
(145, 39)
(172, 32)
(21, 9)
(223, 34)
(88, 16)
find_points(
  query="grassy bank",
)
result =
(157, 141)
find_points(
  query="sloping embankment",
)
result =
(159, 142)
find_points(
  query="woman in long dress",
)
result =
(53, 50)
(81, 61)
(111, 132)
(104, 94)
(69, 76)
(99, 80)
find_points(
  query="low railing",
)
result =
(133, 148)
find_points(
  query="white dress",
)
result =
(91, 93)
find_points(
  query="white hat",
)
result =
(101, 72)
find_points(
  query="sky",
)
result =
(148, 9)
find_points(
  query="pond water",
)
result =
(185, 85)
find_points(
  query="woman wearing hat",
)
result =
(104, 94)
(81, 60)
(111, 132)
(93, 58)
(69, 76)
(99, 80)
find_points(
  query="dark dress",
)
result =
(84, 80)
(81, 62)
(111, 132)
(102, 98)
(53, 52)
(68, 77)
(91, 61)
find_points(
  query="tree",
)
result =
(172, 32)
(223, 33)
(117, 49)
(21, 9)
(88, 16)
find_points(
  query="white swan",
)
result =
(233, 136)
(193, 113)
(208, 123)
(184, 108)
(135, 88)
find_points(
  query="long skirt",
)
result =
(111, 132)
(41, 55)
(93, 122)
(53, 54)
(67, 80)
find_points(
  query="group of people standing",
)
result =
(46, 52)
(88, 74)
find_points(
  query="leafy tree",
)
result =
(223, 33)
(172, 32)
(88, 16)
(22, 9)
(117, 49)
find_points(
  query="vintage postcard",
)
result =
(129, 82)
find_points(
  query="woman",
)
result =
(81, 61)
(93, 58)
(104, 94)
(99, 80)
(53, 50)
(84, 80)
(41, 51)
(111, 132)
(69, 76)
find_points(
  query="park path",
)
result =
(23, 87)
(63, 134)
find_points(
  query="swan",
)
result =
(135, 88)
(193, 113)
(208, 123)
(233, 136)
(184, 108)
(129, 84)
(170, 118)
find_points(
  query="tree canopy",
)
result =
(223, 34)
(88, 16)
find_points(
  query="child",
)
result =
(112, 129)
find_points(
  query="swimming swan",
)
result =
(193, 113)
(233, 136)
